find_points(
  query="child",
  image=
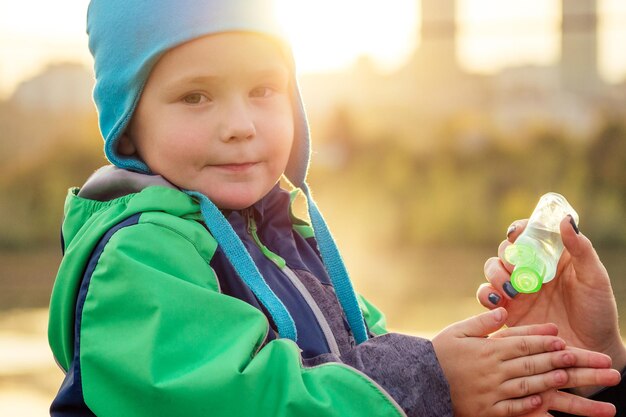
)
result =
(187, 288)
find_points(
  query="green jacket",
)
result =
(141, 326)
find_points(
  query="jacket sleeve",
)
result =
(157, 338)
(405, 366)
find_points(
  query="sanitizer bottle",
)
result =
(537, 250)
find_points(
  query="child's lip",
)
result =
(236, 167)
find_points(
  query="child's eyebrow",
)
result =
(278, 71)
(191, 80)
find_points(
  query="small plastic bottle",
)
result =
(537, 250)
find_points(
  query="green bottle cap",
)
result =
(526, 280)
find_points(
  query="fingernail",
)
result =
(560, 377)
(573, 223)
(509, 290)
(568, 359)
(535, 401)
(511, 229)
(494, 298)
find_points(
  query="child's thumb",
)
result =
(481, 325)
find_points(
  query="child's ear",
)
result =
(125, 145)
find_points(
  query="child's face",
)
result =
(215, 116)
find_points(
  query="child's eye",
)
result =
(261, 92)
(195, 98)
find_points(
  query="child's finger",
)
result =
(591, 359)
(545, 362)
(547, 329)
(588, 377)
(480, 325)
(560, 378)
(519, 346)
(517, 407)
(534, 384)
(573, 404)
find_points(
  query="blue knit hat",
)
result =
(126, 39)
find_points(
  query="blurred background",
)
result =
(436, 123)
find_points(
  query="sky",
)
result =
(330, 34)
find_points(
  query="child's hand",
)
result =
(502, 375)
(562, 401)
(579, 300)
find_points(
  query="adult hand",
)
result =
(579, 300)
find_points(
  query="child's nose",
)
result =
(237, 122)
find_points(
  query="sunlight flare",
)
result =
(330, 34)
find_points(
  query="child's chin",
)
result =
(237, 202)
(237, 195)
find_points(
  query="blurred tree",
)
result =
(33, 184)
(606, 159)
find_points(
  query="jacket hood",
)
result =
(109, 197)
(110, 187)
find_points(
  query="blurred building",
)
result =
(436, 58)
(569, 95)
(53, 106)
(579, 46)
(60, 87)
(432, 90)
(532, 97)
